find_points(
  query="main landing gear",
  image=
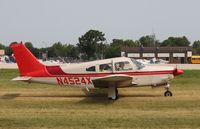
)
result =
(167, 92)
(113, 93)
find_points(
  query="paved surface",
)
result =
(180, 66)
(8, 66)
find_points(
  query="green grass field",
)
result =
(38, 106)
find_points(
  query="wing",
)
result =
(114, 80)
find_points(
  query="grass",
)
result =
(40, 106)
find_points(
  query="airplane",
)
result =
(113, 73)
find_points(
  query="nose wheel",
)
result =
(168, 93)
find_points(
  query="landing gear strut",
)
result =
(112, 93)
(168, 92)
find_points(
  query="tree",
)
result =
(8, 50)
(176, 41)
(72, 51)
(148, 41)
(58, 49)
(29, 45)
(90, 44)
(131, 43)
(2, 46)
(34, 51)
(114, 49)
(196, 48)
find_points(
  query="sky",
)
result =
(44, 22)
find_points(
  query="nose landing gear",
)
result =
(168, 93)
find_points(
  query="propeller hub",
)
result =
(177, 72)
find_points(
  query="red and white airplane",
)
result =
(111, 73)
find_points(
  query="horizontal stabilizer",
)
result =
(24, 78)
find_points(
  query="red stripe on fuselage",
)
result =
(56, 71)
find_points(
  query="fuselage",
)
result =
(83, 74)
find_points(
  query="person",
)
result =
(105, 67)
(101, 67)
(119, 66)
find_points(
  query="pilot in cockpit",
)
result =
(119, 66)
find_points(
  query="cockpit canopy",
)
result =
(116, 65)
(120, 64)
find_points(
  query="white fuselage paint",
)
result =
(82, 82)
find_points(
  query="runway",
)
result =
(180, 66)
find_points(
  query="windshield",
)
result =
(138, 64)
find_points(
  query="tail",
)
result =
(27, 63)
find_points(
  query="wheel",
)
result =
(168, 93)
(117, 96)
(110, 98)
(116, 91)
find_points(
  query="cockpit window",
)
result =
(138, 64)
(91, 69)
(105, 67)
(123, 66)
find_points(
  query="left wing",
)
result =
(117, 80)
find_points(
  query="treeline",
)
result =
(93, 45)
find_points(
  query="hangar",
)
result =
(172, 54)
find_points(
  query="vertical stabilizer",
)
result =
(27, 63)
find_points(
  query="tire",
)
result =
(112, 98)
(117, 96)
(168, 93)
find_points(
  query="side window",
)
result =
(105, 67)
(123, 66)
(91, 69)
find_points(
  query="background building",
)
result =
(2, 52)
(171, 54)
